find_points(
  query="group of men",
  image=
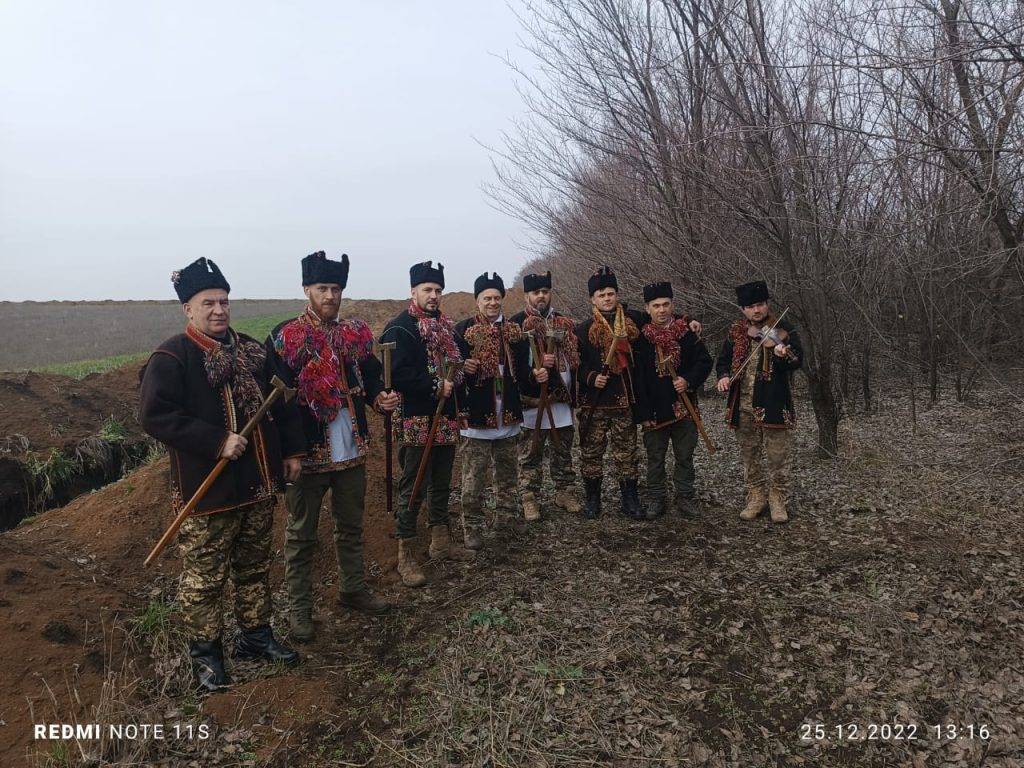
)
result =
(508, 392)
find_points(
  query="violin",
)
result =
(772, 337)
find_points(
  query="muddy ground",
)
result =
(881, 627)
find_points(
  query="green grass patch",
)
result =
(260, 326)
(113, 431)
(488, 617)
(155, 620)
(50, 473)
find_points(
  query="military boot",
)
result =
(300, 623)
(777, 505)
(442, 547)
(260, 643)
(208, 665)
(592, 504)
(686, 507)
(408, 568)
(756, 499)
(655, 508)
(565, 498)
(630, 503)
(364, 601)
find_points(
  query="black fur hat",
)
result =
(536, 282)
(424, 272)
(662, 290)
(198, 276)
(317, 268)
(752, 293)
(484, 282)
(603, 278)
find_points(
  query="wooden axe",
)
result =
(451, 371)
(387, 348)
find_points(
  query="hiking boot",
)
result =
(630, 503)
(260, 643)
(364, 601)
(777, 505)
(442, 547)
(531, 510)
(301, 626)
(408, 568)
(655, 508)
(208, 665)
(565, 498)
(755, 504)
(686, 507)
(592, 503)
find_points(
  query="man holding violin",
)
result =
(755, 367)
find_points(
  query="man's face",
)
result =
(427, 296)
(660, 310)
(756, 313)
(209, 311)
(605, 299)
(489, 303)
(539, 300)
(324, 298)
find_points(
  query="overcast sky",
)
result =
(137, 136)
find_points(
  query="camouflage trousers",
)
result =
(613, 425)
(234, 544)
(305, 498)
(531, 461)
(482, 459)
(758, 444)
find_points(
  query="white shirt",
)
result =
(343, 442)
(561, 411)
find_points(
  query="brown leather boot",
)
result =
(442, 547)
(756, 499)
(531, 509)
(566, 499)
(777, 504)
(364, 601)
(410, 571)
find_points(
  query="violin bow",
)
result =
(758, 346)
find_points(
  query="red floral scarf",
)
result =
(740, 345)
(568, 355)
(601, 336)
(317, 350)
(665, 339)
(233, 364)
(490, 342)
(438, 333)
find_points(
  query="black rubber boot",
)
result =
(655, 508)
(259, 643)
(592, 503)
(627, 507)
(208, 665)
(637, 511)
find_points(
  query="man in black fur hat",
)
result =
(425, 345)
(330, 361)
(672, 361)
(197, 391)
(558, 369)
(760, 406)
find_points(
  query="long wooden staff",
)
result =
(279, 390)
(387, 348)
(694, 413)
(451, 371)
(605, 370)
(543, 405)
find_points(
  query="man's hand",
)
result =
(600, 382)
(387, 401)
(472, 365)
(780, 350)
(292, 470)
(696, 327)
(447, 388)
(680, 384)
(540, 374)
(549, 360)
(723, 384)
(234, 446)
